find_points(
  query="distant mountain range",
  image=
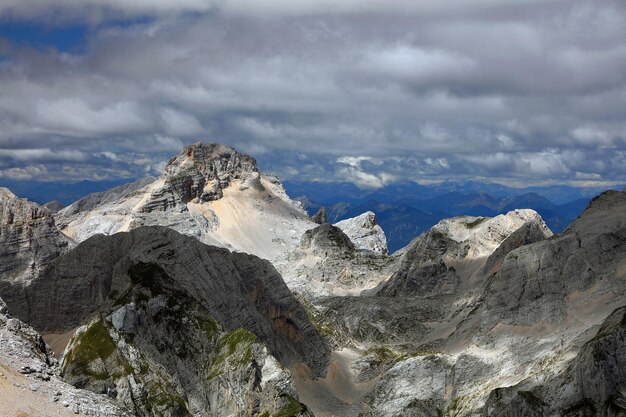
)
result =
(42, 192)
(405, 210)
(208, 291)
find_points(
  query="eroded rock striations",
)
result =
(537, 324)
(29, 238)
(159, 352)
(237, 289)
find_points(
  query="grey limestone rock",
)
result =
(364, 232)
(237, 289)
(160, 353)
(29, 239)
(23, 351)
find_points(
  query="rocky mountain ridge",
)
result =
(209, 191)
(477, 316)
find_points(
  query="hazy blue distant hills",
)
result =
(43, 192)
(405, 210)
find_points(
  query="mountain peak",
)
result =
(212, 159)
(201, 171)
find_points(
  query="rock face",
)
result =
(200, 173)
(320, 216)
(533, 338)
(54, 206)
(29, 238)
(364, 232)
(160, 353)
(30, 380)
(326, 263)
(209, 191)
(441, 260)
(592, 383)
(238, 290)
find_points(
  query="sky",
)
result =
(373, 92)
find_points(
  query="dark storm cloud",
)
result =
(371, 92)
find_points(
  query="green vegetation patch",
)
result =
(293, 408)
(234, 348)
(95, 343)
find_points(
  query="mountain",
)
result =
(210, 191)
(30, 379)
(326, 262)
(471, 324)
(404, 216)
(159, 300)
(170, 326)
(364, 231)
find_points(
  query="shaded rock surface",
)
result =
(439, 260)
(320, 216)
(160, 353)
(237, 289)
(592, 383)
(536, 323)
(54, 206)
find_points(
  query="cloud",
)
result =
(372, 92)
(350, 169)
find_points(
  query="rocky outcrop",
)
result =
(29, 238)
(160, 353)
(54, 206)
(238, 290)
(537, 304)
(593, 383)
(95, 200)
(442, 259)
(29, 377)
(364, 232)
(567, 276)
(209, 191)
(200, 173)
(326, 263)
(320, 216)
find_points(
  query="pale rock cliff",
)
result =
(209, 191)
(364, 232)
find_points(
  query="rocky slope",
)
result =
(444, 258)
(534, 322)
(237, 289)
(592, 383)
(326, 262)
(169, 326)
(29, 378)
(210, 191)
(159, 352)
(29, 238)
(365, 232)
